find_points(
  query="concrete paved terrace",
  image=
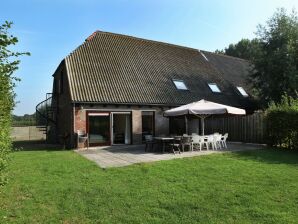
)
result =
(124, 155)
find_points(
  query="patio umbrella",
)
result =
(203, 109)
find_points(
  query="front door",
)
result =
(99, 129)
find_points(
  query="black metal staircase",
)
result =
(45, 117)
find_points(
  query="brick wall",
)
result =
(161, 123)
(80, 120)
(137, 127)
(64, 110)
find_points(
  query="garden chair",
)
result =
(175, 145)
(209, 141)
(187, 141)
(197, 141)
(149, 141)
(223, 140)
(82, 138)
(217, 140)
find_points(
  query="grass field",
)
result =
(62, 187)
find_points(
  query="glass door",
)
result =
(121, 128)
(99, 129)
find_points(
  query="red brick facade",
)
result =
(80, 120)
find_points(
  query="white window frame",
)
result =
(178, 82)
(214, 87)
(242, 91)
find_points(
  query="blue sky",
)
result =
(51, 29)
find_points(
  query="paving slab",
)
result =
(124, 155)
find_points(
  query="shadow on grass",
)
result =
(270, 156)
(35, 146)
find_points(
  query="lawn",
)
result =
(62, 187)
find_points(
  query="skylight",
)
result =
(214, 87)
(204, 56)
(180, 84)
(242, 91)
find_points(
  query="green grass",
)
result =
(62, 187)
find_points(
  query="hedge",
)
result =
(6, 106)
(282, 124)
(8, 65)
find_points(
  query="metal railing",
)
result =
(44, 111)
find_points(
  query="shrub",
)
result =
(8, 65)
(282, 123)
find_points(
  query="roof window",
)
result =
(242, 91)
(204, 56)
(180, 84)
(214, 88)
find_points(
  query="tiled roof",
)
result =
(234, 70)
(119, 69)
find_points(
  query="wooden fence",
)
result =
(249, 128)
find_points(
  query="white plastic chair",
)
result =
(187, 141)
(83, 137)
(223, 140)
(209, 141)
(197, 141)
(217, 140)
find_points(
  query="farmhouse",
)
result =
(115, 88)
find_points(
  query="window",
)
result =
(214, 87)
(180, 84)
(242, 91)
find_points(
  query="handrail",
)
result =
(42, 112)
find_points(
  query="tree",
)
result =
(276, 64)
(8, 65)
(244, 49)
(25, 120)
(274, 57)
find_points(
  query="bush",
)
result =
(282, 123)
(8, 65)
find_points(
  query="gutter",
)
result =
(127, 104)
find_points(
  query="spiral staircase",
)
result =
(45, 116)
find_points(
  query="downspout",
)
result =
(74, 123)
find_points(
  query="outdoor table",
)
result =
(163, 140)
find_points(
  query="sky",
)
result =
(51, 29)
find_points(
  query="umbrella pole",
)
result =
(202, 118)
(203, 125)
(186, 124)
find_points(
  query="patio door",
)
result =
(99, 129)
(121, 128)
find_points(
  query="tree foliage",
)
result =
(25, 120)
(8, 65)
(245, 49)
(274, 56)
(276, 64)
